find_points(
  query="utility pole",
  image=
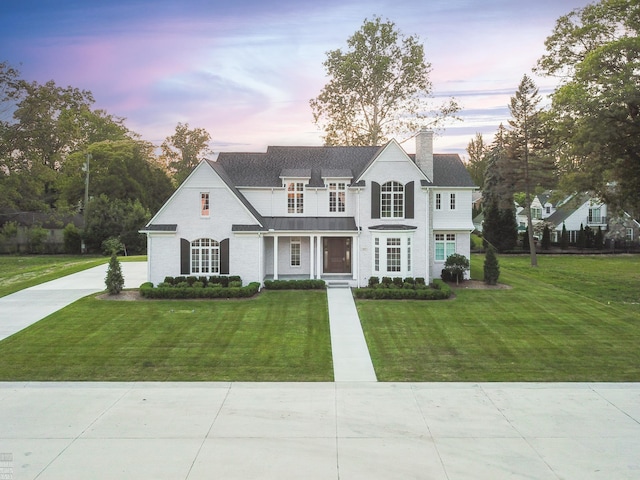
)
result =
(85, 168)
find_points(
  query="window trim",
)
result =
(337, 190)
(201, 249)
(205, 201)
(295, 256)
(385, 245)
(445, 244)
(392, 200)
(295, 197)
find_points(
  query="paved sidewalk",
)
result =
(21, 309)
(324, 431)
(351, 359)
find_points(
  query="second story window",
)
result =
(295, 197)
(438, 201)
(452, 201)
(337, 196)
(204, 204)
(392, 200)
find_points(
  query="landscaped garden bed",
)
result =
(199, 287)
(403, 289)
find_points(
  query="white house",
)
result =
(336, 213)
(577, 211)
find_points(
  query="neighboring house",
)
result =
(336, 213)
(575, 212)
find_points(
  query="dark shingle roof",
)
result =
(158, 227)
(265, 169)
(280, 224)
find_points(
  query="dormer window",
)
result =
(337, 197)
(295, 197)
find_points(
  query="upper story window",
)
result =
(337, 196)
(392, 200)
(204, 204)
(438, 201)
(295, 197)
(452, 201)
(594, 215)
(536, 213)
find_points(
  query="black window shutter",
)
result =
(408, 200)
(224, 257)
(375, 200)
(185, 257)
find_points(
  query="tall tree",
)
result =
(595, 51)
(478, 160)
(499, 228)
(529, 160)
(379, 87)
(183, 150)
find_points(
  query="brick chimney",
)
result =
(424, 152)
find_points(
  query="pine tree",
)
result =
(598, 240)
(564, 238)
(114, 280)
(546, 238)
(581, 240)
(499, 227)
(491, 267)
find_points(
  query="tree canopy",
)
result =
(183, 150)
(595, 51)
(377, 88)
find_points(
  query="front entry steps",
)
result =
(338, 284)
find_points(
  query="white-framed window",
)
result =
(295, 197)
(205, 256)
(438, 201)
(294, 251)
(392, 255)
(337, 197)
(595, 215)
(392, 200)
(536, 213)
(452, 201)
(445, 245)
(629, 235)
(204, 204)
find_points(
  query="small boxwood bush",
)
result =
(294, 284)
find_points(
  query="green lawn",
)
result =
(571, 319)
(278, 336)
(18, 272)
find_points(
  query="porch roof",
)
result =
(312, 224)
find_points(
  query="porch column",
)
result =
(319, 250)
(275, 257)
(312, 256)
(355, 257)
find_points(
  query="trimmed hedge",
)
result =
(294, 284)
(195, 291)
(408, 291)
(223, 280)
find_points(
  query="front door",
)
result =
(337, 255)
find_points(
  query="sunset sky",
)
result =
(245, 70)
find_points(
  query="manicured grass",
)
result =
(277, 336)
(18, 272)
(571, 319)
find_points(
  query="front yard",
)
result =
(572, 319)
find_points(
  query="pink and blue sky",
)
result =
(245, 70)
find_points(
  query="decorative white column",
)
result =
(275, 257)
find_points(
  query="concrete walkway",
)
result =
(324, 431)
(351, 359)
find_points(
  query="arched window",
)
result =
(392, 200)
(205, 256)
